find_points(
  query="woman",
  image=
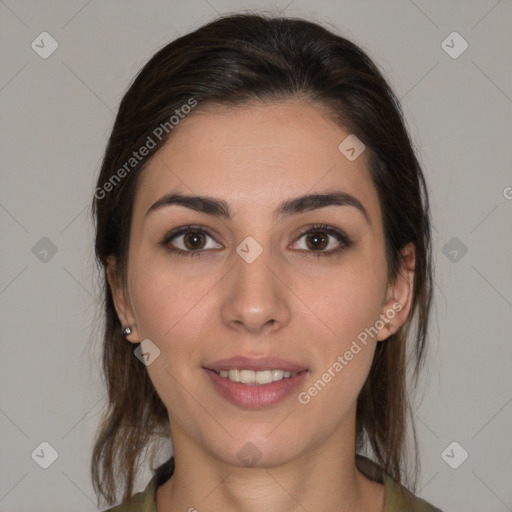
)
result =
(262, 223)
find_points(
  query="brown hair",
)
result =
(233, 60)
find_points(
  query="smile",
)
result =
(255, 377)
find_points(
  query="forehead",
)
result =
(254, 157)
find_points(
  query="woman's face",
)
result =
(259, 283)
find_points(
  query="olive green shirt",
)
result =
(397, 497)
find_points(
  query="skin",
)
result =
(286, 304)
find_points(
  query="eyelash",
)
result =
(340, 236)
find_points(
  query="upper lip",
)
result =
(255, 363)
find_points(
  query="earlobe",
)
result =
(121, 302)
(399, 295)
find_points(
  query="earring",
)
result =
(126, 331)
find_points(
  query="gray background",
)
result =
(56, 116)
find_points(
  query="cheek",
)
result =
(347, 300)
(161, 296)
(170, 312)
(344, 354)
(347, 303)
(174, 308)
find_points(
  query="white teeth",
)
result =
(256, 377)
(264, 377)
(277, 374)
(233, 375)
(247, 376)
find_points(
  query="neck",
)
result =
(324, 479)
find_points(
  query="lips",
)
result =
(253, 394)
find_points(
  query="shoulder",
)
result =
(140, 502)
(145, 501)
(398, 498)
(135, 504)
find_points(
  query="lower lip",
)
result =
(255, 396)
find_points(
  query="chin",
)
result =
(253, 451)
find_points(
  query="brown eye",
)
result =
(189, 241)
(194, 240)
(317, 240)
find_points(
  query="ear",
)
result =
(121, 301)
(397, 304)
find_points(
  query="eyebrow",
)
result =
(220, 208)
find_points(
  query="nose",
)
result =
(256, 297)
